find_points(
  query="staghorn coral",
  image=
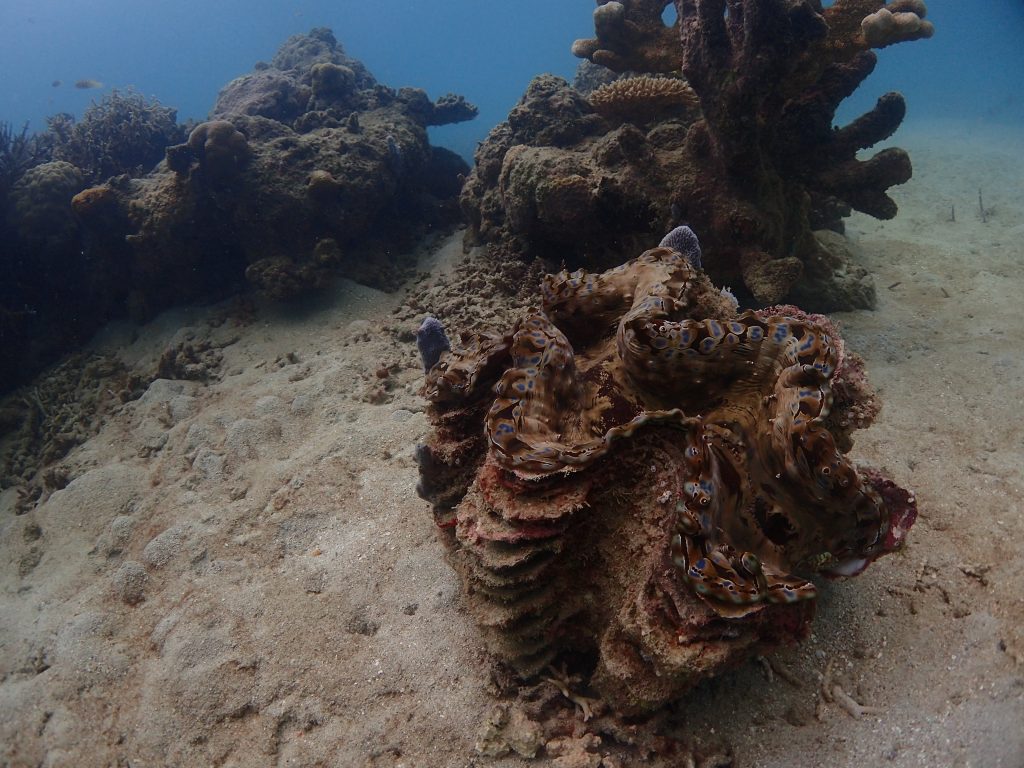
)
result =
(637, 473)
(643, 98)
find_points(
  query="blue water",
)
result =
(183, 52)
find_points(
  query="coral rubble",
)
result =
(758, 168)
(61, 410)
(640, 474)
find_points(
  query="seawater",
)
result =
(183, 52)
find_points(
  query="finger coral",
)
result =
(632, 36)
(643, 97)
(638, 474)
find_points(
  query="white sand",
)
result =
(265, 588)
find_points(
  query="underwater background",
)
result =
(182, 53)
(242, 523)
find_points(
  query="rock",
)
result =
(209, 464)
(245, 437)
(129, 582)
(165, 546)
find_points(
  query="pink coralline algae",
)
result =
(642, 475)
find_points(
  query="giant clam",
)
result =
(643, 475)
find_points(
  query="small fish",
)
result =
(57, 83)
(87, 84)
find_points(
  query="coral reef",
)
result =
(758, 169)
(219, 149)
(275, 95)
(558, 182)
(307, 168)
(723, 436)
(327, 169)
(312, 80)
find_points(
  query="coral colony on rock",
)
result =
(308, 166)
(638, 473)
(723, 120)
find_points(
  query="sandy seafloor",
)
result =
(296, 608)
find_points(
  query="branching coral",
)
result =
(122, 133)
(642, 389)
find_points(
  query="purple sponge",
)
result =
(683, 241)
(431, 341)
